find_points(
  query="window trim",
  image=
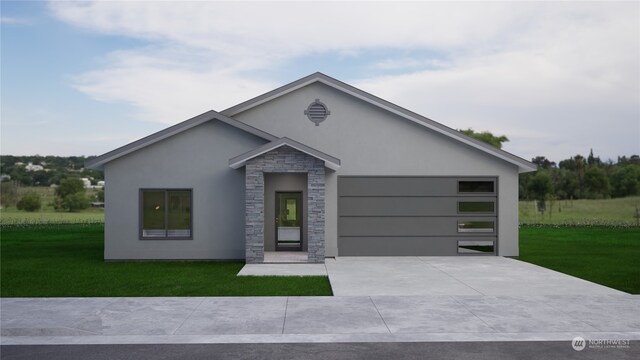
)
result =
(166, 214)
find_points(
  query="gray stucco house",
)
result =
(317, 167)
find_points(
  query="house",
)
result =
(32, 167)
(316, 166)
(86, 183)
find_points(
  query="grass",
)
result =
(607, 256)
(67, 261)
(619, 211)
(14, 216)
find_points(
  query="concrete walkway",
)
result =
(317, 319)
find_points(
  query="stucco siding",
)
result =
(372, 141)
(195, 159)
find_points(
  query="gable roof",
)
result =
(523, 165)
(331, 162)
(98, 162)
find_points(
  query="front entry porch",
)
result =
(277, 202)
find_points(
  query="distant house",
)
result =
(316, 166)
(86, 182)
(5, 177)
(32, 167)
(100, 184)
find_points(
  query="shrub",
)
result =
(8, 193)
(69, 186)
(75, 202)
(30, 201)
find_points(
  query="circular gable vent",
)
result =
(317, 112)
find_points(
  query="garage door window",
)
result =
(475, 246)
(476, 187)
(476, 226)
(476, 206)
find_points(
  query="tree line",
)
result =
(55, 169)
(581, 177)
(577, 177)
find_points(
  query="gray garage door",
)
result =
(419, 216)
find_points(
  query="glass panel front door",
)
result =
(289, 221)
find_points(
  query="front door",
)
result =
(288, 221)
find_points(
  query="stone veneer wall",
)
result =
(284, 160)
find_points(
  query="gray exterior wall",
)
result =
(372, 141)
(282, 182)
(196, 159)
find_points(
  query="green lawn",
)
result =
(619, 211)
(67, 260)
(13, 216)
(606, 256)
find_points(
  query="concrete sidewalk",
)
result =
(317, 319)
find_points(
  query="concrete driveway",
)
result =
(455, 275)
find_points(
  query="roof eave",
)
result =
(98, 162)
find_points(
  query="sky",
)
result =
(557, 78)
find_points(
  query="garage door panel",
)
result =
(396, 246)
(406, 226)
(396, 186)
(407, 206)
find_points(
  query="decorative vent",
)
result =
(317, 112)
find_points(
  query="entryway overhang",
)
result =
(330, 162)
(284, 156)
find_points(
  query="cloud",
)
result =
(167, 92)
(9, 20)
(554, 71)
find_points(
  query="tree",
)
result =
(593, 160)
(30, 201)
(539, 187)
(75, 202)
(625, 181)
(8, 193)
(69, 186)
(543, 162)
(70, 195)
(596, 182)
(100, 195)
(487, 137)
(565, 184)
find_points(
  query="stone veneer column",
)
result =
(254, 214)
(315, 213)
(284, 160)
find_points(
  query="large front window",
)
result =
(166, 214)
